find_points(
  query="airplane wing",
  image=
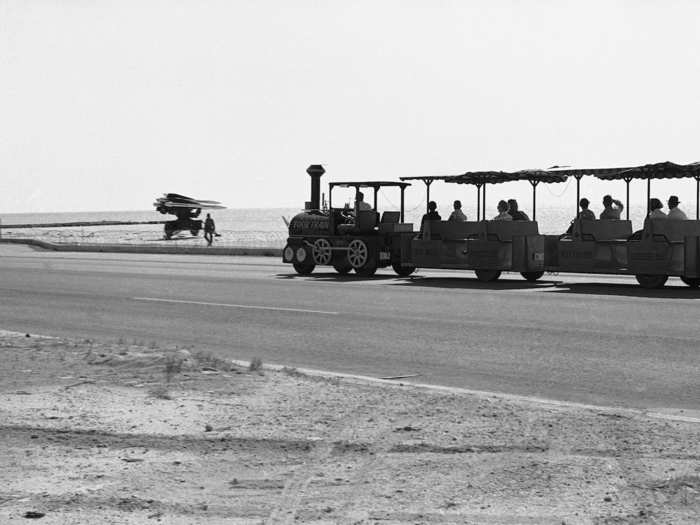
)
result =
(191, 205)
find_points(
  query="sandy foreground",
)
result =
(115, 432)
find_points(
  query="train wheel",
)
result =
(651, 281)
(358, 253)
(343, 268)
(487, 276)
(322, 252)
(403, 271)
(304, 268)
(532, 276)
(693, 282)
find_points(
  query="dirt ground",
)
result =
(122, 433)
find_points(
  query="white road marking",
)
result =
(228, 305)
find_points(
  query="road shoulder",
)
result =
(129, 432)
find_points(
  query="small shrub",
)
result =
(207, 360)
(173, 365)
(255, 365)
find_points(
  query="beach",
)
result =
(238, 228)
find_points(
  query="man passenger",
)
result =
(457, 215)
(673, 211)
(503, 214)
(585, 213)
(515, 212)
(613, 208)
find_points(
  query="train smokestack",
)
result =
(315, 171)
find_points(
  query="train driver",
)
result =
(613, 208)
(503, 214)
(655, 207)
(360, 203)
(673, 211)
(457, 215)
(349, 213)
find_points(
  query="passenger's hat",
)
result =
(673, 200)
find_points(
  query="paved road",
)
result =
(590, 339)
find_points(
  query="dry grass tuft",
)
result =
(255, 365)
(292, 372)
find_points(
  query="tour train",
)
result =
(362, 240)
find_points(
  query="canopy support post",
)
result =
(697, 197)
(534, 198)
(648, 194)
(483, 208)
(478, 202)
(376, 190)
(403, 188)
(578, 194)
(627, 201)
(428, 182)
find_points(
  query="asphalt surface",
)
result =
(589, 339)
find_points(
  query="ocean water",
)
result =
(253, 227)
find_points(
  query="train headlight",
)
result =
(301, 255)
(288, 254)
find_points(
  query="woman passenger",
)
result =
(503, 214)
(655, 207)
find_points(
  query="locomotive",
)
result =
(349, 238)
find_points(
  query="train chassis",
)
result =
(363, 254)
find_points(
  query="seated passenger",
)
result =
(655, 210)
(503, 214)
(610, 211)
(432, 214)
(673, 211)
(585, 213)
(515, 212)
(457, 215)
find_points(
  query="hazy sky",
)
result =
(106, 105)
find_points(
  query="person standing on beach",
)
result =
(209, 229)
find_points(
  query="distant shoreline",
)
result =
(78, 224)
